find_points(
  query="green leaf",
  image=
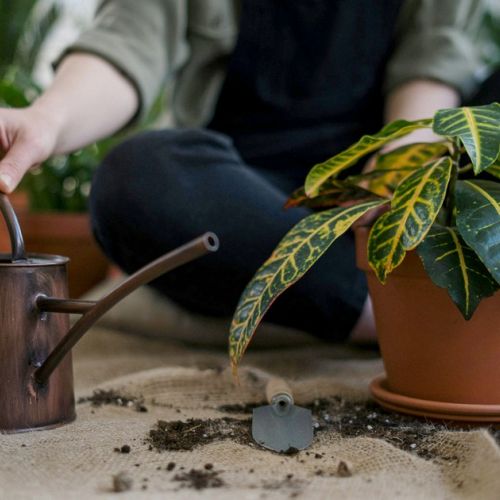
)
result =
(368, 143)
(478, 220)
(302, 246)
(477, 127)
(332, 193)
(415, 206)
(401, 161)
(453, 265)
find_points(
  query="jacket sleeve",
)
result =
(438, 40)
(145, 41)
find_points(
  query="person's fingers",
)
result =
(20, 158)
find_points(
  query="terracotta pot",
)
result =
(66, 234)
(437, 363)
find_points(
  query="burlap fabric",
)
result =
(79, 461)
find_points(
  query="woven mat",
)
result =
(180, 382)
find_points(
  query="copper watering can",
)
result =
(36, 373)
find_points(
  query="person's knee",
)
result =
(147, 181)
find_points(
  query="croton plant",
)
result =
(441, 198)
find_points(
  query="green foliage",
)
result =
(452, 221)
(401, 161)
(477, 128)
(14, 15)
(478, 220)
(294, 256)
(334, 166)
(332, 193)
(414, 208)
(455, 266)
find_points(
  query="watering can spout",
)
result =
(92, 311)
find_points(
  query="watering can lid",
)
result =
(33, 260)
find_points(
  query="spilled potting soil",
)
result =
(102, 397)
(179, 435)
(348, 418)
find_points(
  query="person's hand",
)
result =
(27, 138)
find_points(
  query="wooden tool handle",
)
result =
(277, 386)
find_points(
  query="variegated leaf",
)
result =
(332, 193)
(368, 143)
(477, 127)
(367, 177)
(302, 246)
(415, 206)
(408, 157)
(478, 220)
(453, 265)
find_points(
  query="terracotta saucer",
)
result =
(432, 409)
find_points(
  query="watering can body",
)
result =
(27, 336)
(36, 375)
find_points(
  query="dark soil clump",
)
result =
(290, 451)
(199, 479)
(122, 482)
(240, 408)
(178, 435)
(101, 397)
(124, 449)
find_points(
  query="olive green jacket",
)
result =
(187, 43)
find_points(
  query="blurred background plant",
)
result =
(27, 27)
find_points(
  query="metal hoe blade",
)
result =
(282, 426)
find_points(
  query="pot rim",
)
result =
(34, 260)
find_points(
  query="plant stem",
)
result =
(465, 169)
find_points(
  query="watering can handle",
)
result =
(198, 247)
(15, 233)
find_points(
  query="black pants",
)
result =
(160, 189)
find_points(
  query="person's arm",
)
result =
(438, 40)
(89, 99)
(418, 99)
(110, 75)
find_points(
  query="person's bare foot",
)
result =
(364, 331)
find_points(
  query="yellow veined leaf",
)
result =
(477, 127)
(478, 220)
(332, 194)
(452, 264)
(368, 143)
(301, 247)
(414, 207)
(408, 157)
